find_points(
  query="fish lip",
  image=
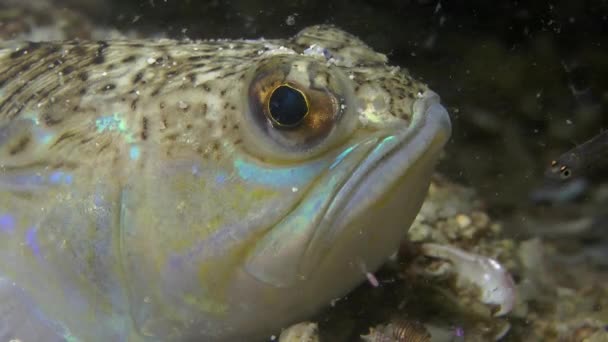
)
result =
(428, 132)
(430, 122)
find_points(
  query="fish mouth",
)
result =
(405, 150)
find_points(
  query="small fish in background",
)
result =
(571, 175)
(568, 179)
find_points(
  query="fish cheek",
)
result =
(186, 228)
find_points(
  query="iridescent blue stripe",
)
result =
(285, 177)
(31, 240)
(7, 223)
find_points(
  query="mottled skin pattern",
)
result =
(144, 194)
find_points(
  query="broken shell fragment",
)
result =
(494, 281)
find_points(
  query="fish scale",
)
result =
(147, 194)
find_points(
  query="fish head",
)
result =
(562, 181)
(320, 159)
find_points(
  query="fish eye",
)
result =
(287, 106)
(565, 173)
(297, 108)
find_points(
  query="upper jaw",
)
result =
(417, 146)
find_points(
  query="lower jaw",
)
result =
(404, 192)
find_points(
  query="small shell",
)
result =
(496, 285)
(410, 331)
(398, 331)
(301, 332)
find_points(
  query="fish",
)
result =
(216, 190)
(571, 175)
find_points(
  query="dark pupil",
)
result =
(287, 106)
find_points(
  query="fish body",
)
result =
(572, 173)
(213, 191)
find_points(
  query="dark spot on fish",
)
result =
(25, 67)
(64, 136)
(85, 140)
(83, 76)
(192, 77)
(235, 126)
(110, 66)
(173, 136)
(50, 120)
(212, 69)
(144, 128)
(100, 59)
(77, 49)
(57, 62)
(162, 105)
(327, 78)
(226, 105)
(138, 77)
(99, 54)
(103, 147)
(21, 145)
(50, 48)
(228, 74)
(134, 104)
(171, 74)
(197, 58)
(67, 70)
(189, 126)
(129, 59)
(82, 91)
(206, 87)
(222, 93)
